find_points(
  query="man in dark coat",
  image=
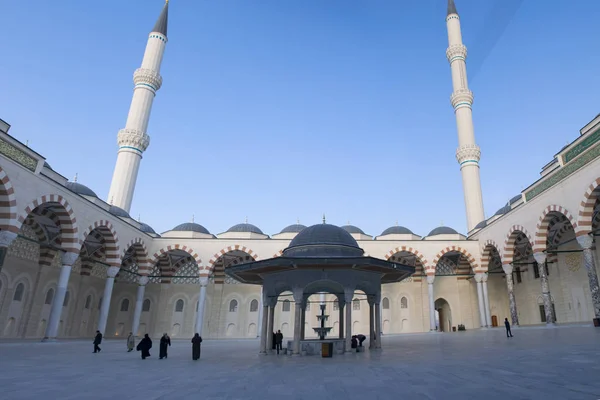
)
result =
(361, 338)
(507, 325)
(196, 340)
(144, 346)
(165, 342)
(278, 340)
(97, 341)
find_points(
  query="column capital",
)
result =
(348, 295)
(111, 272)
(143, 280)
(508, 269)
(371, 299)
(203, 280)
(69, 258)
(478, 277)
(585, 241)
(298, 294)
(484, 277)
(430, 279)
(6, 238)
(540, 257)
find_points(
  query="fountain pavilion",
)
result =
(322, 258)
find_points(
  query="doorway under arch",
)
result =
(443, 315)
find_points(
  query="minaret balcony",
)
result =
(456, 52)
(133, 138)
(148, 78)
(461, 97)
(468, 153)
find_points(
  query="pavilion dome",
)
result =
(397, 230)
(118, 212)
(443, 230)
(323, 240)
(295, 228)
(352, 229)
(80, 189)
(246, 228)
(146, 228)
(191, 227)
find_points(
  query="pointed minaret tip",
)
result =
(324, 219)
(75, 177)
(163, 19)
(192, 214)
(451, 7)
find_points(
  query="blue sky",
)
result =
(277, 109)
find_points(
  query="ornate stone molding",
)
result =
(148, 77)
(456, 51)
(6, 238)
(461, 96)
(143, 281)
(111, 272)
(17, 155)
(69, 258)
(468, 152)
(585, 241)
(133, 138)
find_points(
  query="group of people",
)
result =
(145, 345)
(277, 341)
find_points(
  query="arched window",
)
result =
(19, 292)
(66, 300)
(336, 305)
(385, 304)
(100, 303)
(179, 306)
(404, 302)
(254, 306)
(49, 296)
(233, 305)
(88, 302)
(146, 305)
(286, 306)
(125, 305)
(356, 305)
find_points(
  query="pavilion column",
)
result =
(303, 321)
(298, 297)
(139, 302)
(264, 324)
(372, 335)
(348, 296)
(6, 238)
(478, 277)
(105, 307)
(68, 259)
(201, 305)
(432, 325)
(540, 258)
(486, 300)
(512, 303)
(378, 321)
(341, 318)
(269, 333)
(586, 243)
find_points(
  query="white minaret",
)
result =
(133, 140)
(468, 153)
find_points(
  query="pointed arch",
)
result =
(111, 240)
(66, 217)
(228, 249)
(472, 261)
(411, 250)
(8, 204)
(141, 255)
(509, 243)
(586, 209)
(278, 254)
(169, 248)
(486, 251)
(541, 232)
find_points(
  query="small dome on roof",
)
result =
(515, 199)
(295, 228)
(481, 225)
(503, 210)
(118, 212)
(46, 165)
(191, 227)
(352, 229)
(78, 188)
(443, 230)
(323, 240)
(245, 227)
(146, 228)
(397, 230)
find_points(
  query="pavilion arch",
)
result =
(487, 254)
(324, 285)
(111, 241)
(8, 205)
(67, 223)
(456, 249)
(231, 255)
(508, 253)
(549, 214)
(586, 208)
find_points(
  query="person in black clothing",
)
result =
(196, 340)
(144, 346)
(278, 340)
(97, 341)
(165, 342)
(354, 342)
(361, 338)
(507, 325)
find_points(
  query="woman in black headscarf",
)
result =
(144, 346)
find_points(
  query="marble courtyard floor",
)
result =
(538, 363)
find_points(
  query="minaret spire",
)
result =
(468, 153)
(133, 140)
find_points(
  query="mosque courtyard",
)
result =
(538, 363)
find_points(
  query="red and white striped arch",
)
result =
(111, 241)
(541, 232)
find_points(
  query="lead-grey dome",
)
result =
(397, 230)
(481, 225)
(352, 229)
(78, 188)
(46, 165)
(503, 210)
(118, 212)
(246, 227)
(515, 199)
(191, 227)
(443, 230)
(295, 228)
(146, 228)
(323, 240)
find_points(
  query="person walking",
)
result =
(144, 346)
(278, 340)
(196, 340)
(130, 342)
(165, 342)
(97, 341)
(507, 325)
